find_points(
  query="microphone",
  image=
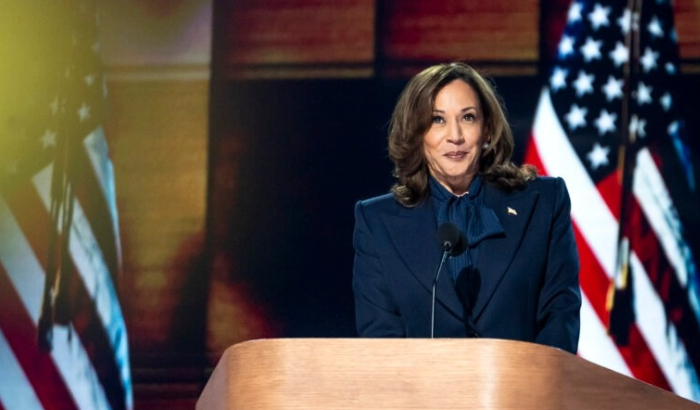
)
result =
(451, 239)
(452, 242)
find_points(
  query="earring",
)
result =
(486, 145)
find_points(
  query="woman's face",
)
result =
(453, 143)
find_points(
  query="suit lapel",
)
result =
(496, 254)
(412, 233)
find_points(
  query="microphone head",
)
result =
(451, 239)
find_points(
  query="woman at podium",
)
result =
(505, 265)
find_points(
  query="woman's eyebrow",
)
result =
(462, 110)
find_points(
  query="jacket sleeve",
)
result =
(558, 310)
(376, 314)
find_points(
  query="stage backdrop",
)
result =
(241, 135)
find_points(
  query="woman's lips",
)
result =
(456, 155)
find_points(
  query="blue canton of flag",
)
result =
(588, 79)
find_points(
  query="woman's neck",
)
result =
(456, 186)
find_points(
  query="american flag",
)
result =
(608, 123)
(63, 342)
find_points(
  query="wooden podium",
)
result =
(419, 374)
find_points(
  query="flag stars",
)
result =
(558, 79)
(566, 46)
(628, 21)
(84, 112)
(574, 12)
(620, 55)
(643, 94)
(576, 117)
(48, 139)
(598, 156)
(89, 79)
(666, 101)
(591, 50)
(612, 89)
(655, 28)
(648, 60)
(57, 106)
(599, 16)
(625, 21)
(605, 122)
(584, 83)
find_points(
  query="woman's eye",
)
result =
(469, 117)
(438, 119)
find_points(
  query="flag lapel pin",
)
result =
(512, 211)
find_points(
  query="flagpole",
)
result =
(620, 297)
(628, 134)
(58, 268)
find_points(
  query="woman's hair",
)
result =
(413, 117)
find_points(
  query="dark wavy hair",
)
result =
(412, 118)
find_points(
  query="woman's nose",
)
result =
(455, 134)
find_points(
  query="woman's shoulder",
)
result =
(542, 185)
(371, 209)
(550, 188)
(378, 202)
(546, 182)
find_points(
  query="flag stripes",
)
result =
(99, 213)
(595, 284)
(660, 335)
(68, 357)
(15, 388)
(593, 221)
(594, 343)
(87, 260)
(658, 272)
(39, 368)
(657, 206)
(98, 324)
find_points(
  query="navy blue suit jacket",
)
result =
(527, 284)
